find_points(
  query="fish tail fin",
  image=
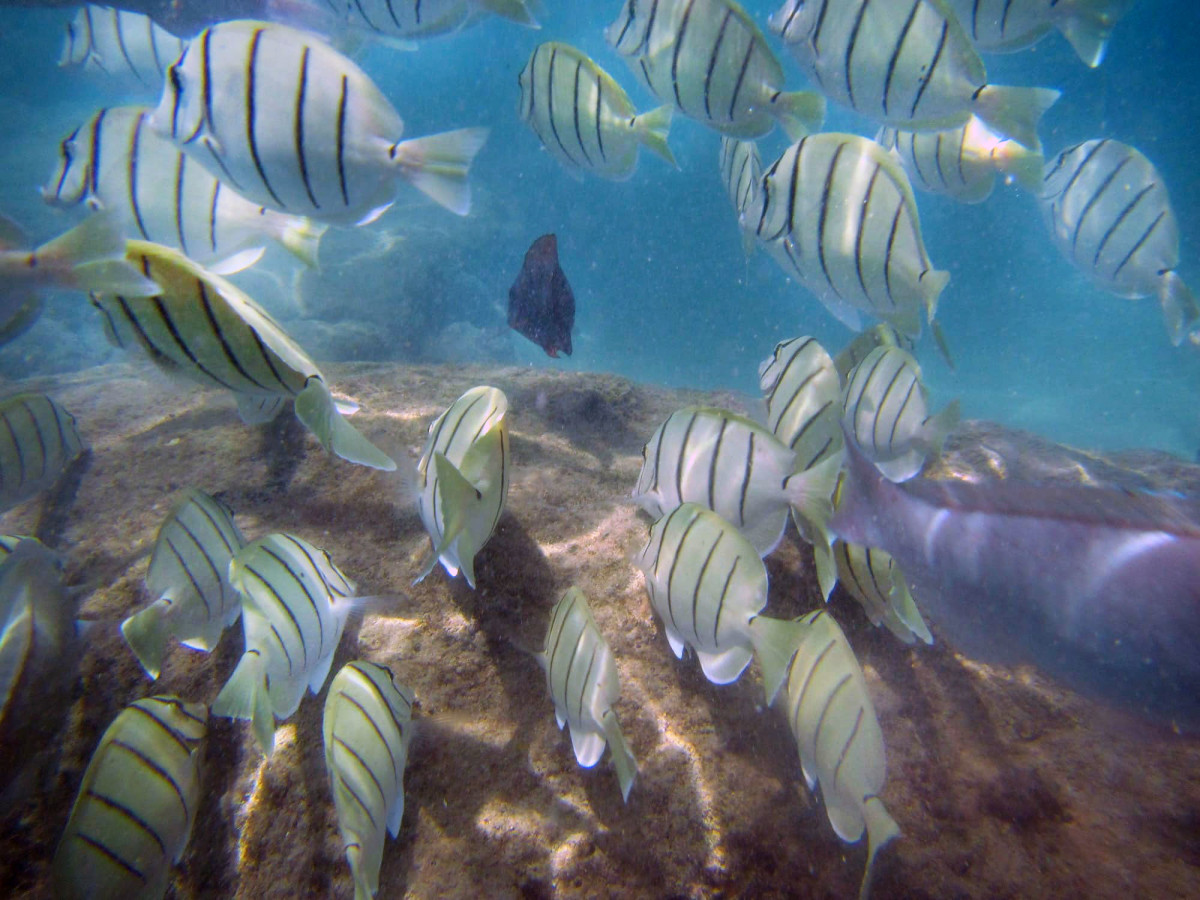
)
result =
(1088, 24)
(363, 889)
(937, 427)
(881, 829)
(1021, 164)
(933, 282)
(623, 759)
(514, 10)
(245, 697)
(301, 237)
(437, 165)
(92, 257)
(146, 634)
(775, 642)
(651, 128)
(1179, 308)
(1014, 111)
(799, 113)
(316, 409)
(809, 494)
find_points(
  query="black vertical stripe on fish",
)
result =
(395, 18)
(153, 39)
(897, 50)
(887, 259)
(1142, 240)
(58, 425)
(283, 646)
(343, 100)
(837, 769)
(216, 526)
(212, 214)
(216, 573)
(893, 381)
(683, 449)
(316, 569)
(824, 215)
(37, 433)
(120, 34)
(793, 190)
(1116, 224)
(503, 479)
(299, 126)
(550, 107)
(362, 763)
(713, 58)
(299, 579)
(747, 477)
(179, 195)
(680, 38)
(165, 317)
(929, 74)
(962, 146)
(912, 388)
(809, 674)
(679, 550)
(724, 593)
(937, 157)
(110, 855)
(829, 702)
(219, 333)
(134, 153)
(816, 38)
(597, 114)
(863, 219)
(741, 79)
(251, 137)
(853, 42)
(97, 133)
(587, 674)
(279, 601)
(699, 585)
(188, 572)
(862, 388)
(575, 112)
(1083, 164)
(1091, 203)
(712, 463)
(129, 815)
(571, 663)
(357, 799)
(16, 444)
(92, 53)
(449, 445)
(151, 764)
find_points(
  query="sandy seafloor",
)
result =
(1004, 784)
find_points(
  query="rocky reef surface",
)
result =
(1004, 784)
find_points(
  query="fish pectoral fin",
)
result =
(457, 497)
(775, 643)
(724, 667)
(146, 634)
(588, 744)
(316, 409)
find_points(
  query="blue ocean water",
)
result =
(664, 293)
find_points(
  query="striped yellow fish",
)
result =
(462, 480)
(125, 49)
(40, 647)
(741, 173)
(296, 126)
(583, 681)
(38, 441)
(1005, 26)
(205, 329)
(908, 64)
(707, 584)
(367, 729)
(880, 335)
(711, 61)
(583, 117)
(116, 162)
(962, 163)
(885, 408)
(838, 213)
(136, 804)
(829, 711)
(803, 392)
(189, 574)
(294, 606)
(876, 582)
(741, 471)
(1109, 214)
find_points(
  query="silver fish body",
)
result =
(116, 162)
(711, 61)
(419, 19)
(463, 479)
(38, 441)
(292, 124)
(189, 576)
(126, 49)
(136, 804)
(583, 681)
(203, 328)
(906, 63)
(294, 606)
(1109, 213)
(803, 393)
(838, 213)
(741, 173)
(962, 163)
(1005, 26)
(1098, 588)
(584, 118)
(367, 729)
(885, 408)
(40, 646)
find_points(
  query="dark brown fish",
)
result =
(540, 303)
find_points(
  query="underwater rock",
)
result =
(495, 802)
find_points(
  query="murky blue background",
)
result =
(664, 292)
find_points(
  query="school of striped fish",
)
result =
(269, 132)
